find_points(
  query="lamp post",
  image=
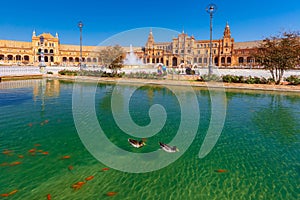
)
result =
(42, 64)
(80, 25)
(211, 9)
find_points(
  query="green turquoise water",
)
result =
(259, 146)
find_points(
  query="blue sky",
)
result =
(248, 20)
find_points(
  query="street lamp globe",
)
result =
(80, 24)
(211, 9)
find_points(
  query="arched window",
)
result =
(222, 60)
(228, 60)
(88, 59)
(216, 60)
(51, 59)
(94, 59)
(10, 57)
(200, 60)
(46, 51)
(76, 59)
(71, 59)
(1, 57)
(18, 57)
(64, 59)
(249, 59)
(205, 60)
(51, 50)
(241, 60)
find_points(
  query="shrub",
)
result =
(213, 77)
(293, 80)
(68, 72)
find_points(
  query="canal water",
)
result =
(47, 151)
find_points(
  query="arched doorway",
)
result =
(241, 60)
(174, 61)
(223, 60)
(26, 58)
(228, 60)
(216, 61)
(249, 59)
(10, 57)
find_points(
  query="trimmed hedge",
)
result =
(236, 79)
(90, 73)
(293, 80)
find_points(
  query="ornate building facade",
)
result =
(29, 53)
(186, 50)
(182, 50)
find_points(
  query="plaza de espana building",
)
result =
(183, 50)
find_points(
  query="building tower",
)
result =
(227, 46)
(149, 49)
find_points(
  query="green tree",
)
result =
(279, 53)
(112, 57)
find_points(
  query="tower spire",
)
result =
(33, 33)
(227, 33)
(150, 41)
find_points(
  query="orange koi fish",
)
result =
(7, 152)
(105, 169)
(48, 196)
(45, 153)
(70, 167)
(32, 150)
(12, 192)
(20, 156)
(110, 194)
(66, 157)
(78, 185)
(89, 178)
(15, 163)
(221, 170)
(8, 194)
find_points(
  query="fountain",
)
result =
(132, 61)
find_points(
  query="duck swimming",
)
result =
(168, 148)
(136, 143)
